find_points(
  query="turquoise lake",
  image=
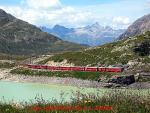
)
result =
(25, 92)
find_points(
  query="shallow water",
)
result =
(25, 92)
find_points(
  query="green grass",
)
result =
(74, 74)
(12, 57)
(9, 61)
(7, 65)
(108, 54)
(144, 79)
(121, 102)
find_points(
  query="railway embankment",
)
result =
(79, 79)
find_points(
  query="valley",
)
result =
(24, 47)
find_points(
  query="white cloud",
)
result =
(43, 3)
(121, 20)
(47, 13)
(50, 12)
(147, 4)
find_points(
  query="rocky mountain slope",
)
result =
(92, 35)
(133, 51)
(138, 27)
(20, 37)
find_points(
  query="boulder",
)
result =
(123, 80)
(145, 74)
(132, 63)
(108, 85)
(102, 79)
(137, 76)
(111, 85)
(143, 77)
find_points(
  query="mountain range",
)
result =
(20, 37)
(140, 26)
(132, 48)
(92, 35)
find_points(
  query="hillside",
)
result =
(131, 50)
(20, 37)
(138, 27)
(92, 35)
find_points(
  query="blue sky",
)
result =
(67, 2)
(76, 13)
(87, 2)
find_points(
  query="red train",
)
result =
(88, 69)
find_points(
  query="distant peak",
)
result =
(108, 28)
(58, 26)
(96, 24)
(4, 16)
(2, 12)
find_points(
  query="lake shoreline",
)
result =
(67, 81)
(5, 75)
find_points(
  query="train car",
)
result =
(30, 66)
(49, 67)
(90, 69)
(44, 67)
(114, 69)
(27, 65)
(71, 68)
(33, 66)
(102, 69)
(53, 68)
(65, 68)
(37, 67)
(93, 69)
(120, 69)
(78, 68)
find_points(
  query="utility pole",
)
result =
(30, 59)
